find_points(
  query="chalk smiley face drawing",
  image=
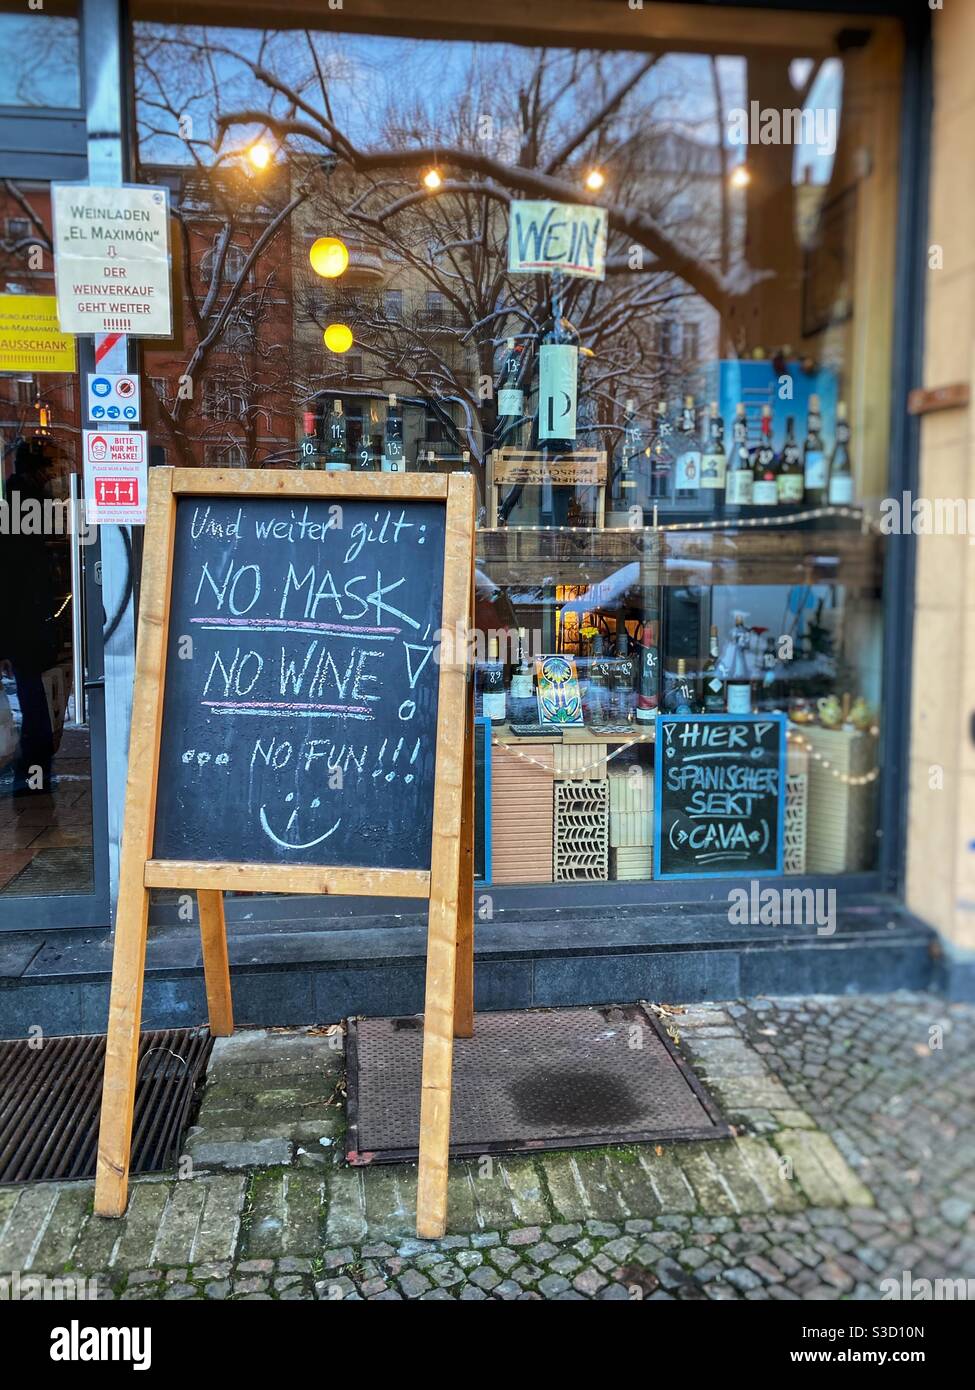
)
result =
(295, 844)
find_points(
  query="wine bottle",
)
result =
(492, 685)
(765, 488)
(739, 683)
(687, 478)
(558, 379)
(647, 696)
(814, 458)
(511, 397)
(622, 680)
(394, 456)
(309, 444)
(714, 677)
(680, 696)
(739, 475)
(661, 455)
(522, 685)
(598, 693)
(790, 482)
(840, 471)
(713, 468)
(337, 460)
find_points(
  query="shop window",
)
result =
(679, 461)
(47, 70)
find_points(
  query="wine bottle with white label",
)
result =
(739, 476)
(337, 459)
(687, 479)
(739, 683)
(394, 456)
(814, 457)
(511, 397)
(790, 481)
(840, 470)
(492, 685)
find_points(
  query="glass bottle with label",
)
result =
(629, 490)
(739, 475)
(511, 397)
(790, 482)
(765, 487)
(598, 692)
(522, 685)
(647, 696)
(337, 460)
(713, 467)
(739, 683)
(661, 455)
(715, 698)
(687, 477)
(680, 693)
(394, 456)
(309, 444)
(492, 685)
(622, 680)
(814, 457)
(840, 470)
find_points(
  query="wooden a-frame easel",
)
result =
(448, 886)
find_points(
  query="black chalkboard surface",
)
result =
(719, 796)
(300, 709)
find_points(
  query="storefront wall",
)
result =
(572, 566)
(941, 838)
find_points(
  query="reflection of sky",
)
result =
(46, 71)
(387, 90)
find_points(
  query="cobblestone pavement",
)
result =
(853, 1163)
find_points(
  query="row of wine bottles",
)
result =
(627, 685)
(687, 462)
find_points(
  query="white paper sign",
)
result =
(111, 260)
(116, 477)
(568, 237)
(114, 396)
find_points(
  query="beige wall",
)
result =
(941, 836)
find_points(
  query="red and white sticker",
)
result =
(115, 477)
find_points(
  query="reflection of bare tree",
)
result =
(525, 127)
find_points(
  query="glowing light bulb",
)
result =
(740, 176)
(329, 257)
(259, 154)
(432, 178)
(595, 180)
(338, 337)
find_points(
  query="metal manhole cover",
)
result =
(50, 1099)
(534, 1079)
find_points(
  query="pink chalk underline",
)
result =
(284, 704)
(281, 623)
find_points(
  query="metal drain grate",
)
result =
(536, 1079)
(50, 1098)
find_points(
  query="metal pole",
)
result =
(77, 605)
(106, 82)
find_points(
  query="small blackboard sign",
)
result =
(719, 801)
(300, 715)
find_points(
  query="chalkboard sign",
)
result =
(300, 712)
(302, 722)
(719, 804)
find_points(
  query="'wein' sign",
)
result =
(719, 806)
(568, 237)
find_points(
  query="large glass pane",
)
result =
(45, 754)
(679, 435)
(46, 70)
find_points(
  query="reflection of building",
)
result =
(224, 385)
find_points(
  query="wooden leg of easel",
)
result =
(216, 966)
(438, 1061)
(464, 983)
(122, 1053)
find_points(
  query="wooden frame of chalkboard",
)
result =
(447, 884)
(767, 735)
